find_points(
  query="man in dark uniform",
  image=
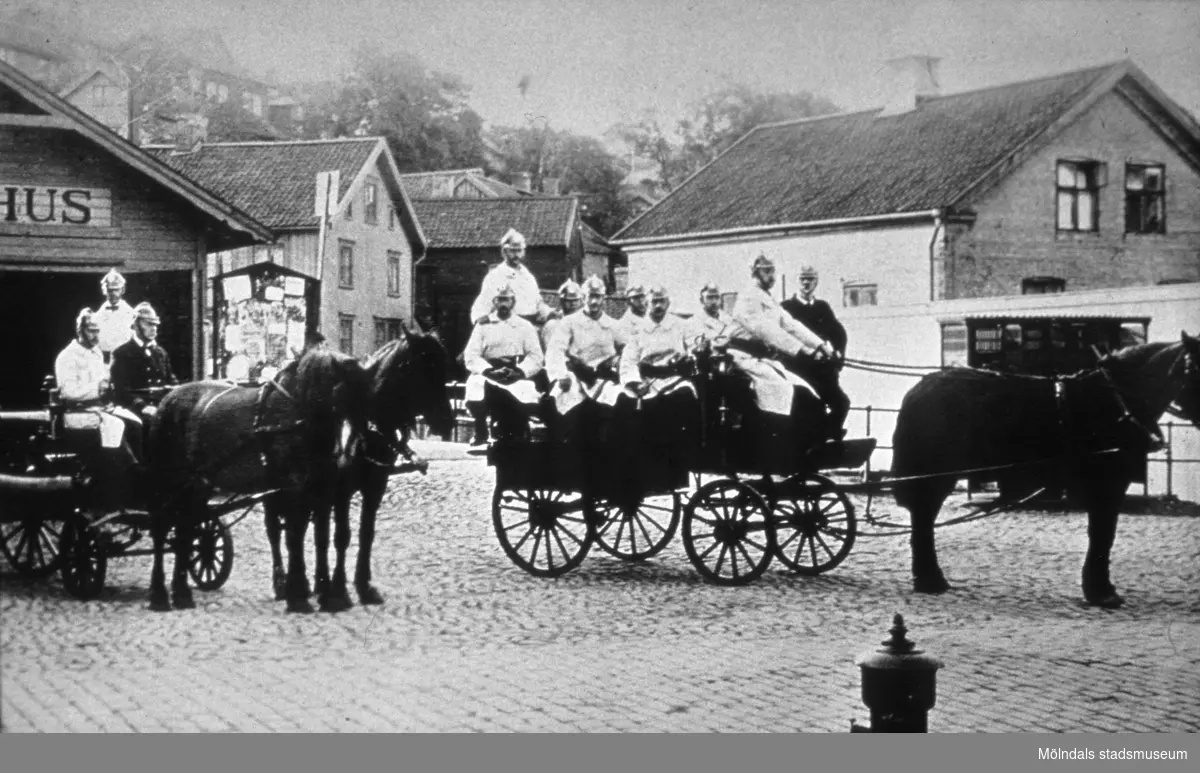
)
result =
(818, 316)
(138, 364)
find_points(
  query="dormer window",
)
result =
(1078, 185)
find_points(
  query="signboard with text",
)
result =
(55, 205)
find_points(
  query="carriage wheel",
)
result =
(543, 532)
(727, 532)
(32, 545)
(211, 558)
(84, 561)
(814, 525)
(638, 529)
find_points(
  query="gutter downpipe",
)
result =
(938, 225)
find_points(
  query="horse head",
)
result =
(332, 388)
(408, 379)
(1186, 370)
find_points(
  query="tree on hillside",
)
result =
(711, 125)
(580, 163)
(423, 114)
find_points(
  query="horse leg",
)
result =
(923, 506)
(1103, 512)
(341, 536)
(296, 586)
(272, 518)
(159, 601)
(181, 591)
(374, 484)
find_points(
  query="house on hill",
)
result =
(358, 270)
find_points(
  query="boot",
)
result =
(479, 414)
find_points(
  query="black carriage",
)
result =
(758, 496)
(56, 514)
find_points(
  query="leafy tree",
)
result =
(711, 125)
(423, 114)
(581, 164)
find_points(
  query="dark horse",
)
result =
(279, 439)
(1090, 431)
(406, 378)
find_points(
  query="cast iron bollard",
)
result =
(899, 685)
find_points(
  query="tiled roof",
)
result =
(442, 184)
(865, 163)
(273, 181)
(458, 223)
(594, 243)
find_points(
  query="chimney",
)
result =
(522, 181)
(551, 185)
(910, 79)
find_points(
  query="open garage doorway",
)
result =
(39, 310)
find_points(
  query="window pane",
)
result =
(1134, 178)
(1066, 175)
(1066, 221)
(1082, 178)
(1153, 178)
(1084, 210)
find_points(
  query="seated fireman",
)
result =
(659, 405)
(765, 339)
(581, 362)
(138, 365)
(503, 355)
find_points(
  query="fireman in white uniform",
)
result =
(712, 323)
(659, 407)
(115, 316)
(582, 362)
(512, 272)
(503, 355)
(635, 318)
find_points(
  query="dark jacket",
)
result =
(819, 318)
(136, 368)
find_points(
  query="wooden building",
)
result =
(363, 260)
(77, 200)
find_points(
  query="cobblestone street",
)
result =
(469, 642)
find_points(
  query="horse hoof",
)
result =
(1111, 600)
(334, 604)
(160, 603)
(185, 602)
(301, 606)
(930, 585)
(368, 595)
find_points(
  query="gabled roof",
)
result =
(274, 181)
(545, 221)
(433, 185)
(869, 165)
(43, 108)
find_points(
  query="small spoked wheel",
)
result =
(211, 559)
(814, 524)
(634, 529)
(84, 560)
(727, 532)
(546, 533)
(32, 545)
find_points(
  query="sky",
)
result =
(594, 63)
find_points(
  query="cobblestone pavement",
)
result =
(468, 642)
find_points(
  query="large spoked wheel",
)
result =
(727, 532)
(211, 558)
(33, 546)
(814, 524)
(84, 561)
(544, 532)
(634, 529)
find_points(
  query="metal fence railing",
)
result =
(1173, 463)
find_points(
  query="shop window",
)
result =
(1078, 187)
(860, 294)
(1041, 285)
(371, 203)
(1145, 194)
(346, 333)
(394, 261)
(346, 264)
